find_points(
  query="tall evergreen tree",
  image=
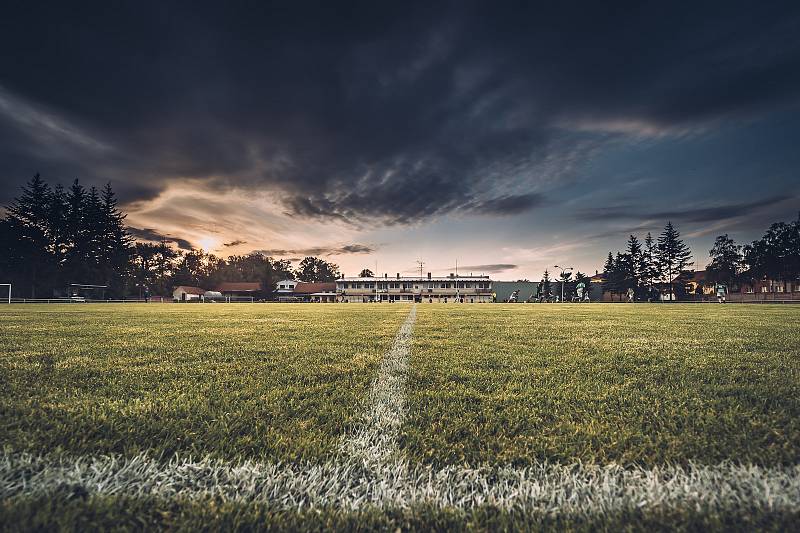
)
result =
(608, 272)
(650, 268)
(30, 261)
(546, 292)
(633, 266)
(78, 247)
(116, 249)
(673, 255)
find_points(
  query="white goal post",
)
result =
(9, 290)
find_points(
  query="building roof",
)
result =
(303, 287)
(239, 286)
(190, 290)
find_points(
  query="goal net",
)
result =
(5, 293)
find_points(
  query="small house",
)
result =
(184, 293)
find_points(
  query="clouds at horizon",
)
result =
(365, 115)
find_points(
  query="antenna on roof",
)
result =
(421, 264)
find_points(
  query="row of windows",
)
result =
(430, 285)
(776, 288)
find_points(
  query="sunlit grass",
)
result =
(277, 382)
(638, 384)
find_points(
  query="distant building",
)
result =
(284, 290)
(469, 289)
(240, 289)
(184, 293)
(315, 292)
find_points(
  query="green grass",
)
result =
(487, 384)
(643, 384)
(150, 514)
(274, 382)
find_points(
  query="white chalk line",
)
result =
(371, 471)
(582, 490)
(375, 441)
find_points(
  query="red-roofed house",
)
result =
(315, 292)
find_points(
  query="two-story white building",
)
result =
(452, 288)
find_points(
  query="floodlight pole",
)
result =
(563, 271)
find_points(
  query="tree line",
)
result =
(52, 237)
(644, 266)
(775, 256)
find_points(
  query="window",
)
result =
(779, 288)
(764, 288)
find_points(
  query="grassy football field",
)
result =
(598, 416)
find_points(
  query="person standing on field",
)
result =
(631, 293)
(722, 290)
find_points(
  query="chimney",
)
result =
(385, 275)
(429, 275)
(398, 275)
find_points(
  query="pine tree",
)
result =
(608, 272)
(650, 269)
(673, 256)
(77, 243)
(116, 244)
(546, 284)
(93, 228)
(618, 272)
(633, 266)
(31, 260)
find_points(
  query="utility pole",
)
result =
(563, 280)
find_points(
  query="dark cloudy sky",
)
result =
(506, 136)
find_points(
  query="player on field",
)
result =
(722, 291)
(579, 289)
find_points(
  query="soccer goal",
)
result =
(3, 296)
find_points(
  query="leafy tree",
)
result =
(673, 256)
(316, 269)
(726, 260)
(283, 268)
(777, 254)
(366, 273)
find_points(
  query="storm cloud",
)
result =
(151, 235)
(374, 112)
(346, 249)
(706, 213)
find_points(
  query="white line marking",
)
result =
(375, 440)
(581, 490)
